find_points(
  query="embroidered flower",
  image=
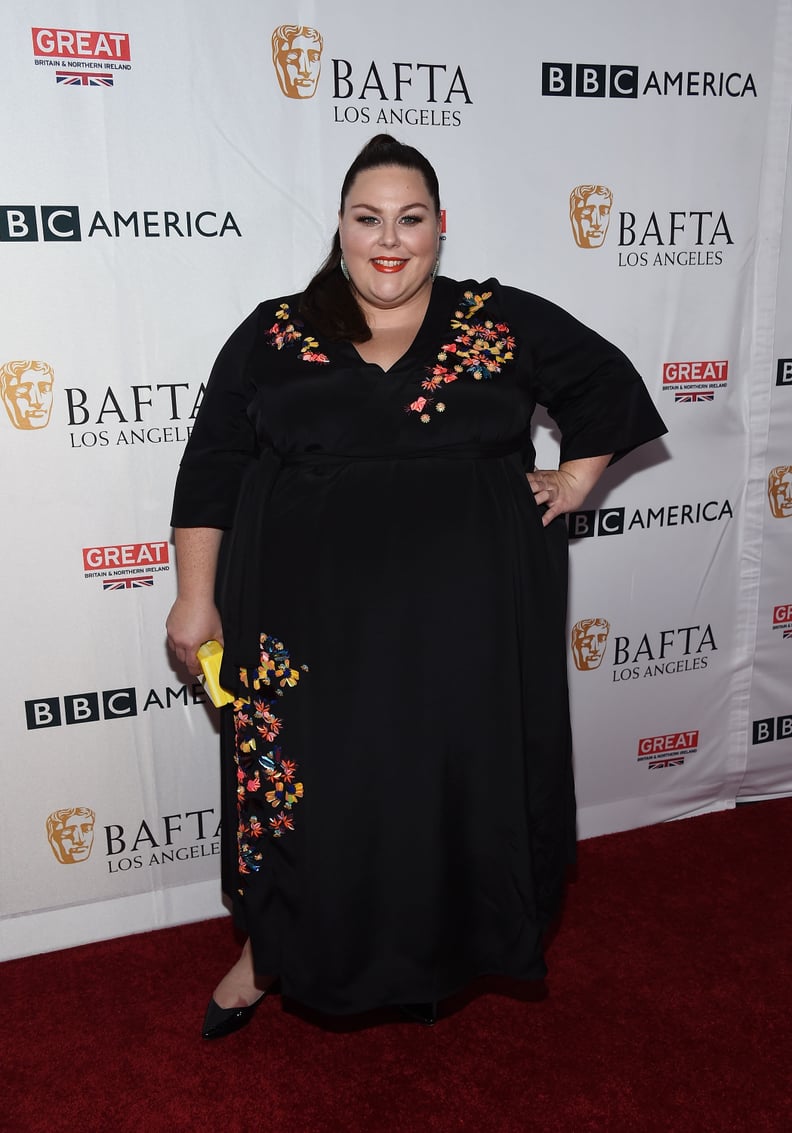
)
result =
(270, 724)
(432, 383)
(279, 823)
(418, 405)
(480, 349)
(256, 721)
(287, 331)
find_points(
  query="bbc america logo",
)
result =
(58, 223)
(111, 704)
(784, 372)
(618, 80)
(620, 521)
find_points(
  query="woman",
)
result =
(392, 603)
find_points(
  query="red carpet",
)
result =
(668, 1007)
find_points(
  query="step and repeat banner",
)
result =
(167, 165)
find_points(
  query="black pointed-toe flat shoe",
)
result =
(424, 1013)
(221, 1021)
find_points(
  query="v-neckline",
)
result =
(438, 287)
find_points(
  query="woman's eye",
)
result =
(367, 220)
(411, 219)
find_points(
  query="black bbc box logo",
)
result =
(589, 80)
(80, 708)
(784, 372)
(21, 224)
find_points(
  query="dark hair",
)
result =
(328, 302)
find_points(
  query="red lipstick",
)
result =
(388, 264)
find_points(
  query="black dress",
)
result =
(402, 761)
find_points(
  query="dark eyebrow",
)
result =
(404, 208)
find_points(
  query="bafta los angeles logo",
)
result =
(297, 59)
(779, 491)
(26, 390)
(71, 834)
(589, 214)
(589, 638)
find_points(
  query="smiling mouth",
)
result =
(389, 265)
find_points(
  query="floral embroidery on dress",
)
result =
(480, 350)
(286, 331)
(259, 760)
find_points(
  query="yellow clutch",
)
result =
(210, 655)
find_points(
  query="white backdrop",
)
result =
(159, 181)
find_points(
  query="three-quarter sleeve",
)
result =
(223, 440)
(588, 386)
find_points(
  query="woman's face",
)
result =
(390, 235)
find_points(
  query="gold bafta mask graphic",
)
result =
(779, 491)
(297, 58)
(71, 834)
(26, 390)
(589, 638)
(589, 214)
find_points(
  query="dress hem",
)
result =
(447, 992)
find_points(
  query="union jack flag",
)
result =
(668, 761)
(788, 632)
(695, 395)
(81, 79)
(128, 583)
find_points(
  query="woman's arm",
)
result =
(564, 489)
(194, 617)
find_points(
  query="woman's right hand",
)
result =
(189, 625)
